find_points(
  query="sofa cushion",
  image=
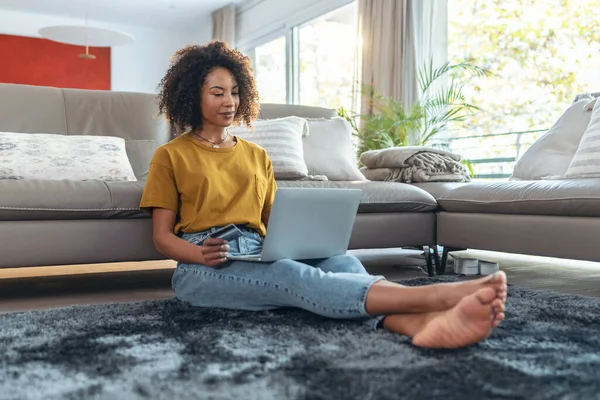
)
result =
(282, 140)
(57, 157)
(57, 200)
(125, 199)
(69, 199)
(551, 154)
(18, 101)
(439, 189)
(586, 162)
(378, 197)
(328, 150)
(271, 111)
(140, 154)
(132, 116)
(579, 198)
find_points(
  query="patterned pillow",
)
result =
(586, 162)
(55, 157)
(282, 140)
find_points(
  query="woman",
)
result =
(206, 178)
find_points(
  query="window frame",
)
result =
(291, 33)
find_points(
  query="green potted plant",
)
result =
(394, 125)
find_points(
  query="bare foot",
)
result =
(410, 324)
(389, 298)
(470, 321)
(499, 306)
(449, 294)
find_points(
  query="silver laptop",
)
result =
(308, 223)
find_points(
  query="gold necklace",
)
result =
(214, 145)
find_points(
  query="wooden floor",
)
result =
(568, 276)
(25, 289)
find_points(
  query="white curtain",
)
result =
(223, 24)
(382, 26)
(398, 37)
(429, 33)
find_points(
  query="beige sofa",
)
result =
(554, 218)
(77, 222)
(546, 218)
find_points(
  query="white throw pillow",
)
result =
(55, 157)
(282, 140)
(590, 106)
(586, 162)
(328, 150)
(552, 153)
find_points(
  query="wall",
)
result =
(136, 67)
(41, 62)
(259, 21)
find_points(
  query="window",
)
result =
(313, 64)
(270, 66)
(326, 58)
(541, 55)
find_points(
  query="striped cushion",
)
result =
(282, 140)
(586, 163)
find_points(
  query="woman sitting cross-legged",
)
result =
(206, 178)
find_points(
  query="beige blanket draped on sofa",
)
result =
(413, 164)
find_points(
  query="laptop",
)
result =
(308, 223)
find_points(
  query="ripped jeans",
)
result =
(335, 287)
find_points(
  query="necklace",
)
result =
(214, 145)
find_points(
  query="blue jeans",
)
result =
(335, 287)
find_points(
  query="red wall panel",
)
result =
(42, 62)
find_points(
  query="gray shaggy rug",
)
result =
(548, 348)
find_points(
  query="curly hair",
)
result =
(180, 88)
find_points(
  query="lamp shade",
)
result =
(96, 37)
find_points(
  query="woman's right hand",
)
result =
(214, 252)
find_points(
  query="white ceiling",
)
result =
(159, 14)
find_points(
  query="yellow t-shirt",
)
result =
(210, 187)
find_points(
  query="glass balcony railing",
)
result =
(494, 156)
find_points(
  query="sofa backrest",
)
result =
(327, 150)
(270, 111)
(40, 109)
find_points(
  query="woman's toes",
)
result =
(499, 277)
(498, 319)
(498, 305)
